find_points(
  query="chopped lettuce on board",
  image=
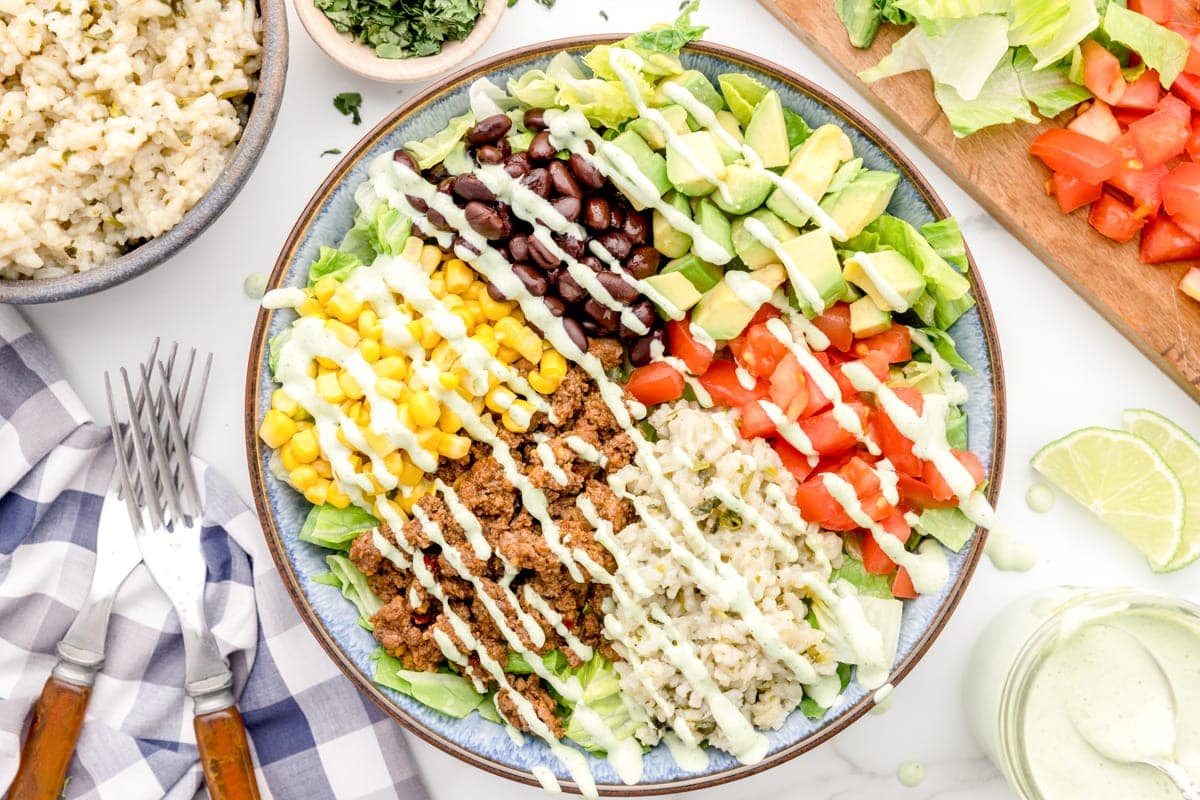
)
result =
(1160, 48)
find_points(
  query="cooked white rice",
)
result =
(115, 118)
(697, 448)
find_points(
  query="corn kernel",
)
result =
(327, 364)
(310, 308)
(430, 337)
(529, 345)
(369, 349)
(303, 477)
(394, 367)
(507, 330)
(425, 409)
(458, 276)
(448, 381)
(500, 399)
(454, 447)
(325, 289)
(391, 389)
(437, 287)
(329, 389)
(507, 354)
(512, 424)
(363, 415)
(543, 385)
(394, 462)
(312, 369)
(553, 365)
(404, 415)
(468, 319)
(341, 437)
(487, 341)
(317, 493)
(388, 351)
(336, 497)
(287, 458)
(344, 333)
(304, 446)
(281, 402)
(452, 301)
(344, 305)
(349, 385)
(431, 257)
(355, 461)
(277, 428)
(410, 474)
(493, 309)
(382, 445)
(369, 326)
(412, 249)
(406, 503)
(323, 468)
(429, 438)
(449, 422)
(474, 290)
(517, 418)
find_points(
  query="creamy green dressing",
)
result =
(911, 774)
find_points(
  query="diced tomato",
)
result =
(938, 485)
(1187, 30)
(1097, 122)
(875, 561)
(1077, 155)
(1161, 11)
(1160, 136)
(972, 464)
(793, 460)
(1176, 107)
(755, 422)
(861, 475)
(1187, 88)
(1143, 93)
(655, 383)
(1144, 187)
(1072, 193)
(835, 323)
(758, 350)
(1192, 34)
(896, 447)
(845, 385)
(684, 346)
(1181, 196)
(1115, 219)
(1193, 142)
(917, 493)
(1102, 72)
(1164, 241)
(826, 433)
(765, 312)
(817, 399)
(902, 586)
(895, 344)
(816, 504)
(789, 387)
(877, 362)
(721, 382)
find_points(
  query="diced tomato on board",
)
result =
(1161, 136)
(1161, 11)
(1142, 94)
(1102, 73)
(1077, 155)
(1163, 241)
(895, 344)
(1143, 186)
(1181, 196)
(1097, 122)
(1072, 193)
(1115, 219)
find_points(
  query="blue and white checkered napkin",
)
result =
(314, 736)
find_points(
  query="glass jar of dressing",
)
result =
(1087, 693)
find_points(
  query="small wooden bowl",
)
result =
(361, 59)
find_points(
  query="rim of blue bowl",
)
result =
(251, 144)
(274, 538)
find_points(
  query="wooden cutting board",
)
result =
(1143, 302)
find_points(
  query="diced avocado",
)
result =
(715, 224)
(703, 275)
(673, 294)
(750, 250)
(686, 173)
(767, 132)
(868, 319)
(812, 169)
(742, 94)
(862, 202)
(700, 87)
(668, 240)
(721, 312)
(729, 153)
(889, 279)
(649, 130)
(845, 175)
(747, 189)
(813, 256)
(651, 164)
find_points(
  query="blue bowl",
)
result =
(334, 620)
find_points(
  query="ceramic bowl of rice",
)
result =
(125, 130)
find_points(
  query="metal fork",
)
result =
(155, 469)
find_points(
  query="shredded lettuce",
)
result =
(814, 706)
(391, 230)
(432, 151)
(868, 585)
(1050, 89)
(274, 348)
(962, 57)
(944, 344)
(603, 102)
(999, 102)
(602, 694)
(1160, 48)
(554, 661)
(354, 588)
(332, 262)
(335, 528)
(956, 428)
(446, 692)
(946, 239)
(534, 88)
(359, 241)
(1056, 41)
(948, 293)
(935, 16)
(949, 526)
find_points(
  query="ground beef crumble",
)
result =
(406, 630)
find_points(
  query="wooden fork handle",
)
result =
(57, 721)
(225, 755)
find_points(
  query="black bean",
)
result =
(506, 221)
(575, 331)
(555, 305)
(436, 172)
(461, 243)
(616, 243)
(489, 154)
(437, 220)
(571, 246)
(616, 217)
(591, 148)
(592, 263)
(541, 255)
(537, 181)
(535, 119)
(494, 292)
(585, 171)
(621, 290)
(568, 289)
(563, 181)
(517, 165)
(643, 262)
(470, 187)
(518, 248)
(635, 227)
(418, 204)
(605, 317)
(505, 148)
(535, 283)
(595, 214)
(644, 311)
(568, 206)
(446, 185)
(402, 157)
(590, 327)
(541, 149)
(490, 129)
(639, 352)
(485, 220)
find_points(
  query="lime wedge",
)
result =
(1123, 481)
(1182, 454)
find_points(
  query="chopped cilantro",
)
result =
(333, 151)
(406, 29)
(604, 15)
(674, 38)
(350, 104)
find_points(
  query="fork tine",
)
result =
(168, 493)
(121, 457)
(142, 457)
(190, 431)
(186, 476)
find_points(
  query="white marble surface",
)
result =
(1066, 368)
